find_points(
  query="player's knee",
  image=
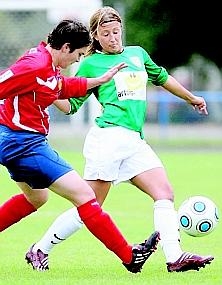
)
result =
(38, 198)
(168, 193)
(163, 192)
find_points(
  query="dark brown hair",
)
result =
(72, 32)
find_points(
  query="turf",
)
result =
(82, 260)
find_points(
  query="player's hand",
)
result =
(200, 105)
(112, 71)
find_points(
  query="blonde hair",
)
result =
(103, 15)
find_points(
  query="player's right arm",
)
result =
(63, 105)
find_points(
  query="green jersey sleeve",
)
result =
(76, 103)
(157, 75)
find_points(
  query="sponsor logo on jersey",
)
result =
(131, 85)
(33, 50)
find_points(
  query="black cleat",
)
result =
(38, 260)
(141, 252)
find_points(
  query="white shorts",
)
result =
(116, 154)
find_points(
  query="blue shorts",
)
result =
(29, 158)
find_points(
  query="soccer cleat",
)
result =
(141, 252)
(189, 261)
(38, 260)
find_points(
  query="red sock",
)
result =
(13, 210)
(101, 226)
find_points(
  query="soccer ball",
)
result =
(198, 216)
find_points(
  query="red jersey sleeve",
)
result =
(73, 87)
(18, 78)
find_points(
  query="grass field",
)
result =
(82, 260)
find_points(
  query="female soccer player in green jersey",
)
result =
(115, 149)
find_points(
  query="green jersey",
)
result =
(124, 98)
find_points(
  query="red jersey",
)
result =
(32, 84)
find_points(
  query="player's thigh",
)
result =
(72, 187)
(37, 197)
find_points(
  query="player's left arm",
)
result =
(197, 102)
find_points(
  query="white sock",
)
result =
(165, 221)
(64, 226)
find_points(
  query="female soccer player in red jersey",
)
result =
(28, 87)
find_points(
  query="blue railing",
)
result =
(165, 100)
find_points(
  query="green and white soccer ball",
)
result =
(198, 216)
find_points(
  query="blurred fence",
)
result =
(20, 30)
(171, 109)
